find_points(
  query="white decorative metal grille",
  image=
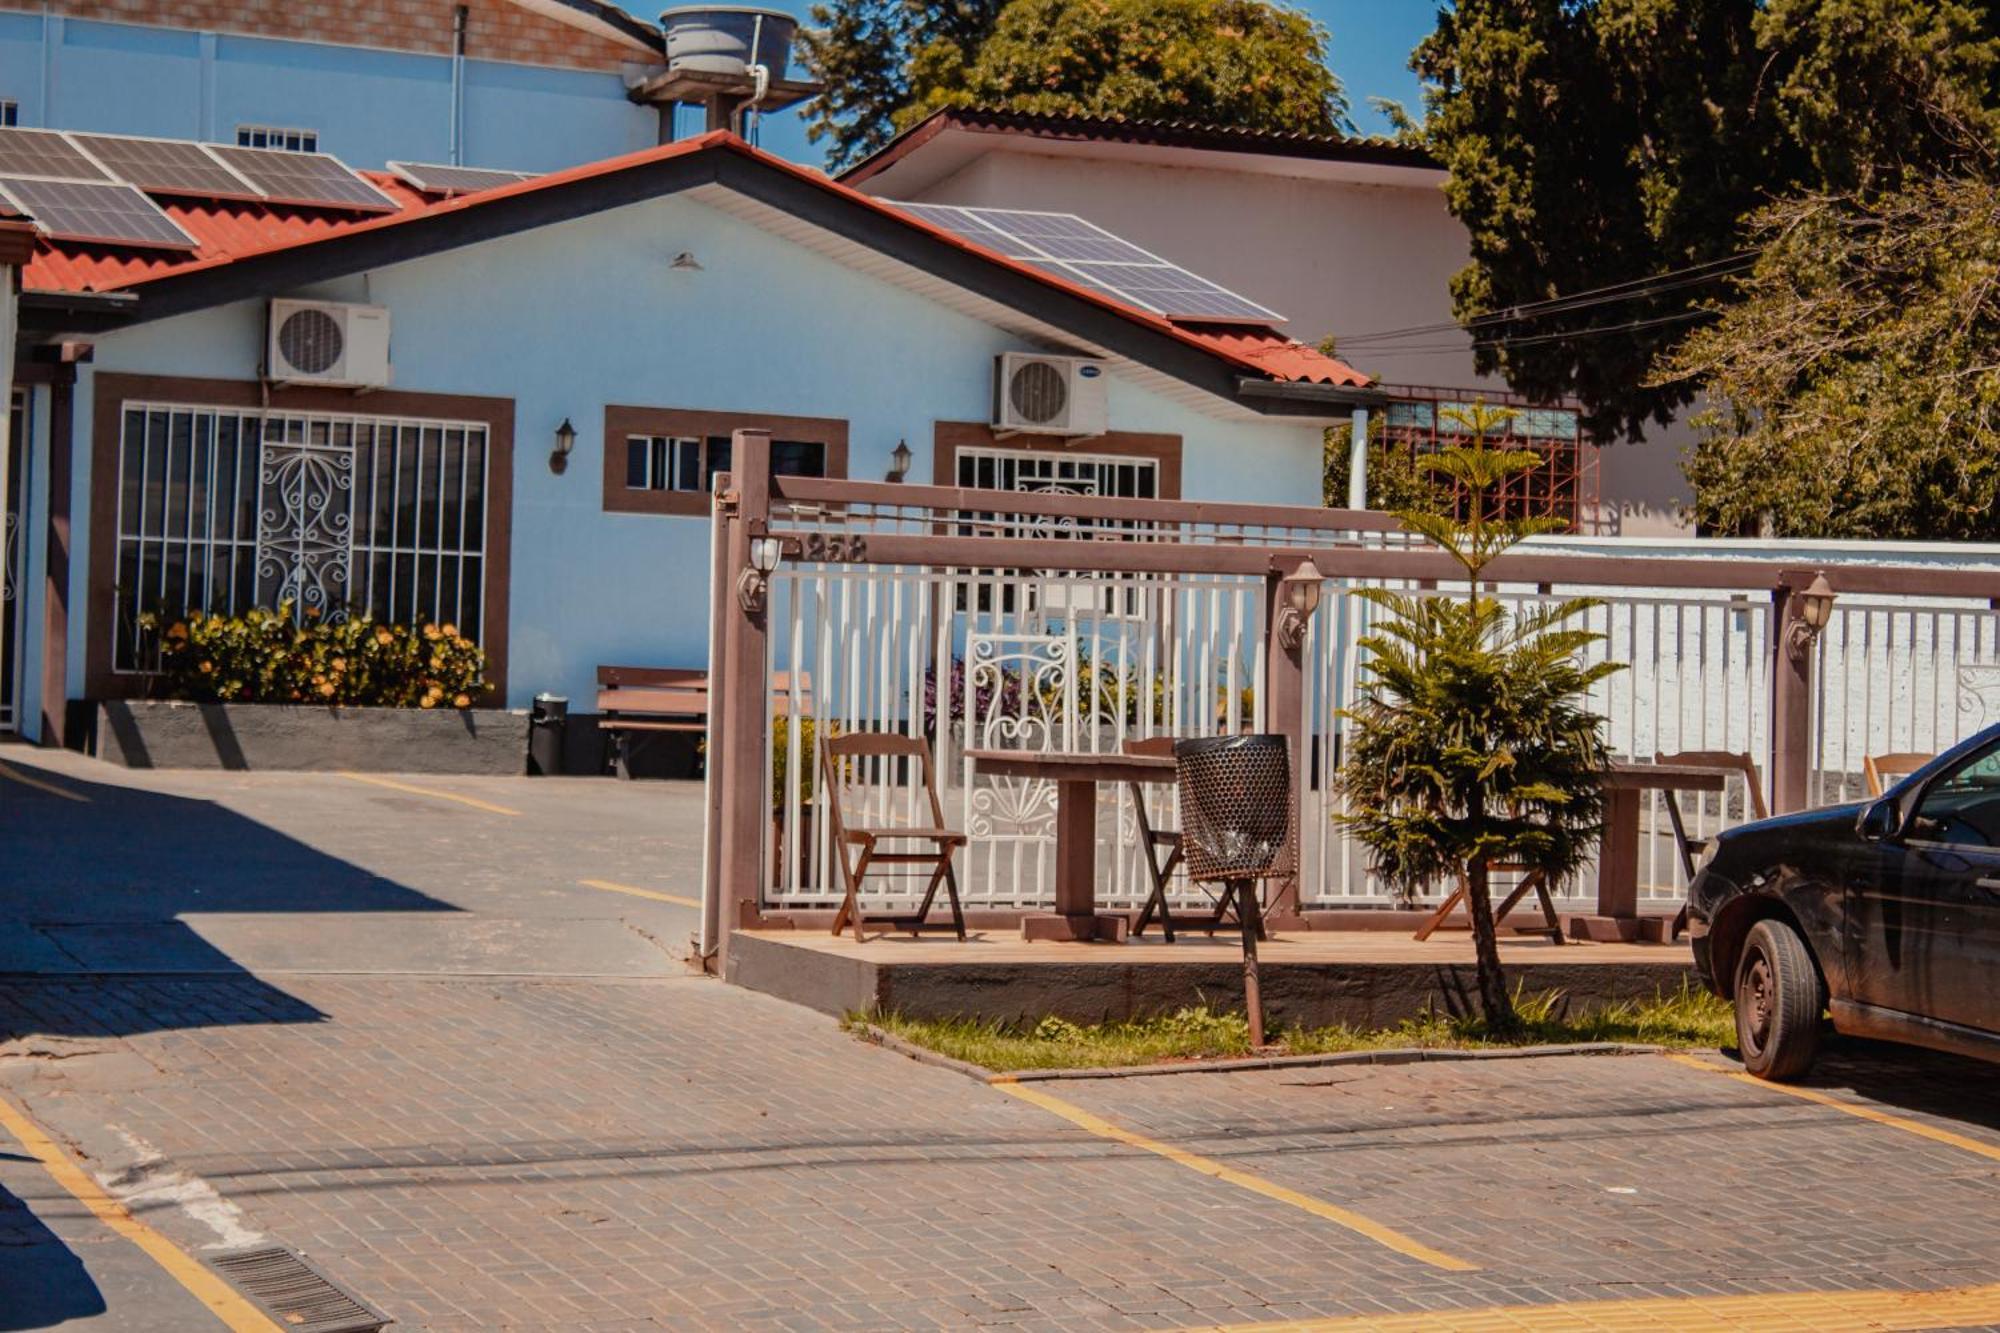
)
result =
(221, 509)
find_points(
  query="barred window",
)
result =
(221, 509)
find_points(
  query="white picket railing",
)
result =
(1066, 660)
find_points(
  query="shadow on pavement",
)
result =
(42, 1282)
(1909, 1078)
(96, 888)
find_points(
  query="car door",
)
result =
(1927, 929)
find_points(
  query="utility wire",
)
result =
(1537, 339)
(1632, 289)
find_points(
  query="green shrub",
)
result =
(268, 656)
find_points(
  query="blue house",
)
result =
(503, 406)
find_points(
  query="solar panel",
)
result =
(303, 178)
(171, 166)
(45, 153)
(94, 211)
(434, 178)
(1078, 251)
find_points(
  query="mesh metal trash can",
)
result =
(1236, 806)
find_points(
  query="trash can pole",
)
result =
(1253, 992)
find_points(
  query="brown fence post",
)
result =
(745, 698)
(1283, 692)
(721, 604)
(1791, 699)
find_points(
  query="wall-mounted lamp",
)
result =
(753, 585)
(900, 459)
(565, 441)
(1298, 599)
(1815, 610)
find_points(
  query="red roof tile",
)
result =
(226, 231)
(1275, 354)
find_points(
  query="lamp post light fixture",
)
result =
(753, 585)
(900, 459)
(565, 441)
(1299, 598)
(1815, 611)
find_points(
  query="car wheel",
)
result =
(1779, 1000)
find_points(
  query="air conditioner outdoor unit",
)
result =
(329, 342)
(1050, 395)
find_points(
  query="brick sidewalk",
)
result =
(672, 1153)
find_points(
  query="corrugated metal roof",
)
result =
(228, 230)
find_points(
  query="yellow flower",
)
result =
(429, 701)
(178, 630)
(326, 690)
(383, 635)
(461, 701)
(207, 668)
(340, 664)
(449, 631)
(430, 631)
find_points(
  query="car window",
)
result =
(1963, 806)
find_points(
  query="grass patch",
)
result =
(1689, 1017)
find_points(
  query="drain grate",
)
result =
(295, 1294)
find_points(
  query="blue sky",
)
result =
(1370, 48)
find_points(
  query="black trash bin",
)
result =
(547, 725)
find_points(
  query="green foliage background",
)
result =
(889, 63)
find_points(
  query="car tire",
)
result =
(1779, 1001)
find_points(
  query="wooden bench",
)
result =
(637, 704)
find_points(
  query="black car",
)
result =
(1886, 912)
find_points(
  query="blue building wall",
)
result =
(369, 106)
(569, 318)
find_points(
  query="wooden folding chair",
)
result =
(1691, 848)
(1884, 771)
(1152, 842)
(836, 754)
(1532, 882)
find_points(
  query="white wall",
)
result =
(568, 318)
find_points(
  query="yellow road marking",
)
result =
(1821, 1311)
(1868, 1113)
(1353, 1221)
(15, 775)
(221, 1299)
(472, 801)
(639, 893)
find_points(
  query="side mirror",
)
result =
(1879, 822)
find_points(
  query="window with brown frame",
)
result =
(665, 460)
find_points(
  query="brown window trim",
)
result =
(951, 436)
(112, 390)
(623, 422)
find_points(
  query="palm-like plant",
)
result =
(1474, 744)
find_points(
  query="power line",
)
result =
(1632, 289)
(1538, 339)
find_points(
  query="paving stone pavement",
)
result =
(501, 1149)
(600, 1155)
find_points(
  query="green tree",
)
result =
(1593, 142)
(862, 50)
(1215, 62)
(1854, 383)
(889, 63)
(1473, 742)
